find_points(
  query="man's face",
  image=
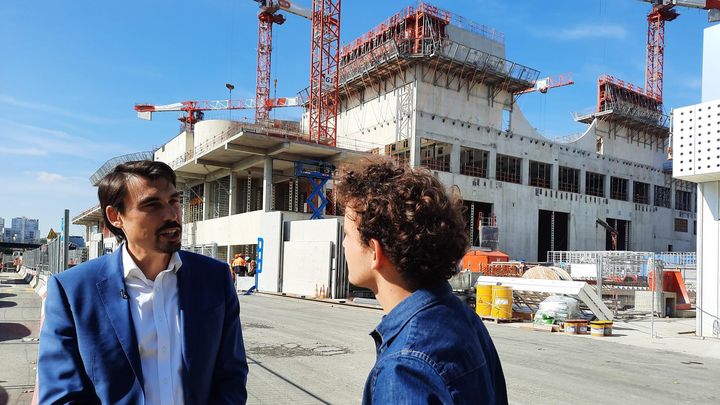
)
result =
(152, 217)
(358, 255)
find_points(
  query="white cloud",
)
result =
(9, 100)
(29, 151)
(31, 140)
(694, 83)
(46, 177)
(610, 31)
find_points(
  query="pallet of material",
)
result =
(499, 320)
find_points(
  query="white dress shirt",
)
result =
(156, 317)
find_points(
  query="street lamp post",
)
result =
(230, 88)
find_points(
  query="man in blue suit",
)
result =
(148, 324)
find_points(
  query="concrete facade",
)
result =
(461, 119)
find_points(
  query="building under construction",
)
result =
(429, 88)
(434, 90)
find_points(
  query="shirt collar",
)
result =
(420, 299)
(129, 264)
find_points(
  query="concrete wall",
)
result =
(244, 229)
(372, 121)
(307, 268)
(475, 41)
(474, 119)
(206, 130)
(708, 292)
(309, 255)
(711, 64)
(175, 148)
(516, 207)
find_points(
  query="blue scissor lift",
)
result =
(318, 173)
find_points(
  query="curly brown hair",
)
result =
(419, 226)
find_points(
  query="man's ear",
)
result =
(113, 216)
(378, 256)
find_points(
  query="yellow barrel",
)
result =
(597, 328)
(608, 327)
(483, 302)
(575, 326)
(502, 300)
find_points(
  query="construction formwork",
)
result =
(421, 34)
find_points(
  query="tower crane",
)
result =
(324, 62)
(194, 110)
(662, 11)
(545, 84)
(268, 16)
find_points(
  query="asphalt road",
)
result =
(304, 352)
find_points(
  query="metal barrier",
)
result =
(626, 278)
(47, 259)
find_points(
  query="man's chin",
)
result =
(169, 247)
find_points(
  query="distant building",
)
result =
(2, 229)
(23, 230)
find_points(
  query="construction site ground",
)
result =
(311, 352)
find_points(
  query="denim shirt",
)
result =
(433, 349)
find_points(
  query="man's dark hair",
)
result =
(113, 187)
(419, 225)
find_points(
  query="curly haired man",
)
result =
(404, 238)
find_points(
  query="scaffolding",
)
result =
(112, 163)
(630, 106)
(419, 34)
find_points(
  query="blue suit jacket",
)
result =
(88, 348)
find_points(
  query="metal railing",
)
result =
(47, 259)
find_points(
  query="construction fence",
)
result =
(48, 258)
(628, 279)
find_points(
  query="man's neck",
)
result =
(391, 290)
(150, 263)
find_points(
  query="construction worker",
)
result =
(237, 263)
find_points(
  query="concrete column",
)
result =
(581, 183)
(206, 200)
(606, 186)
(492, 163)
(415, 151)
(672, 195)
(455, 158)
(631, 190)
(525, 171)
(651, 194)
(233, 194)
(233, 191)
(267, 184)
(555, 176)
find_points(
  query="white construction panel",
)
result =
(583, 270)
(306, 267)
(708, 283)
(711, 63)
(696, 142)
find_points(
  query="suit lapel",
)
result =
(184, 284)
(110, 286)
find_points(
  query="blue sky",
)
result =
(70, 72)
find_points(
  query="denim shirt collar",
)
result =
(392, 323)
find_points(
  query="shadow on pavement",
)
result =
(12, 331)
(3, 396)
(15, 281)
